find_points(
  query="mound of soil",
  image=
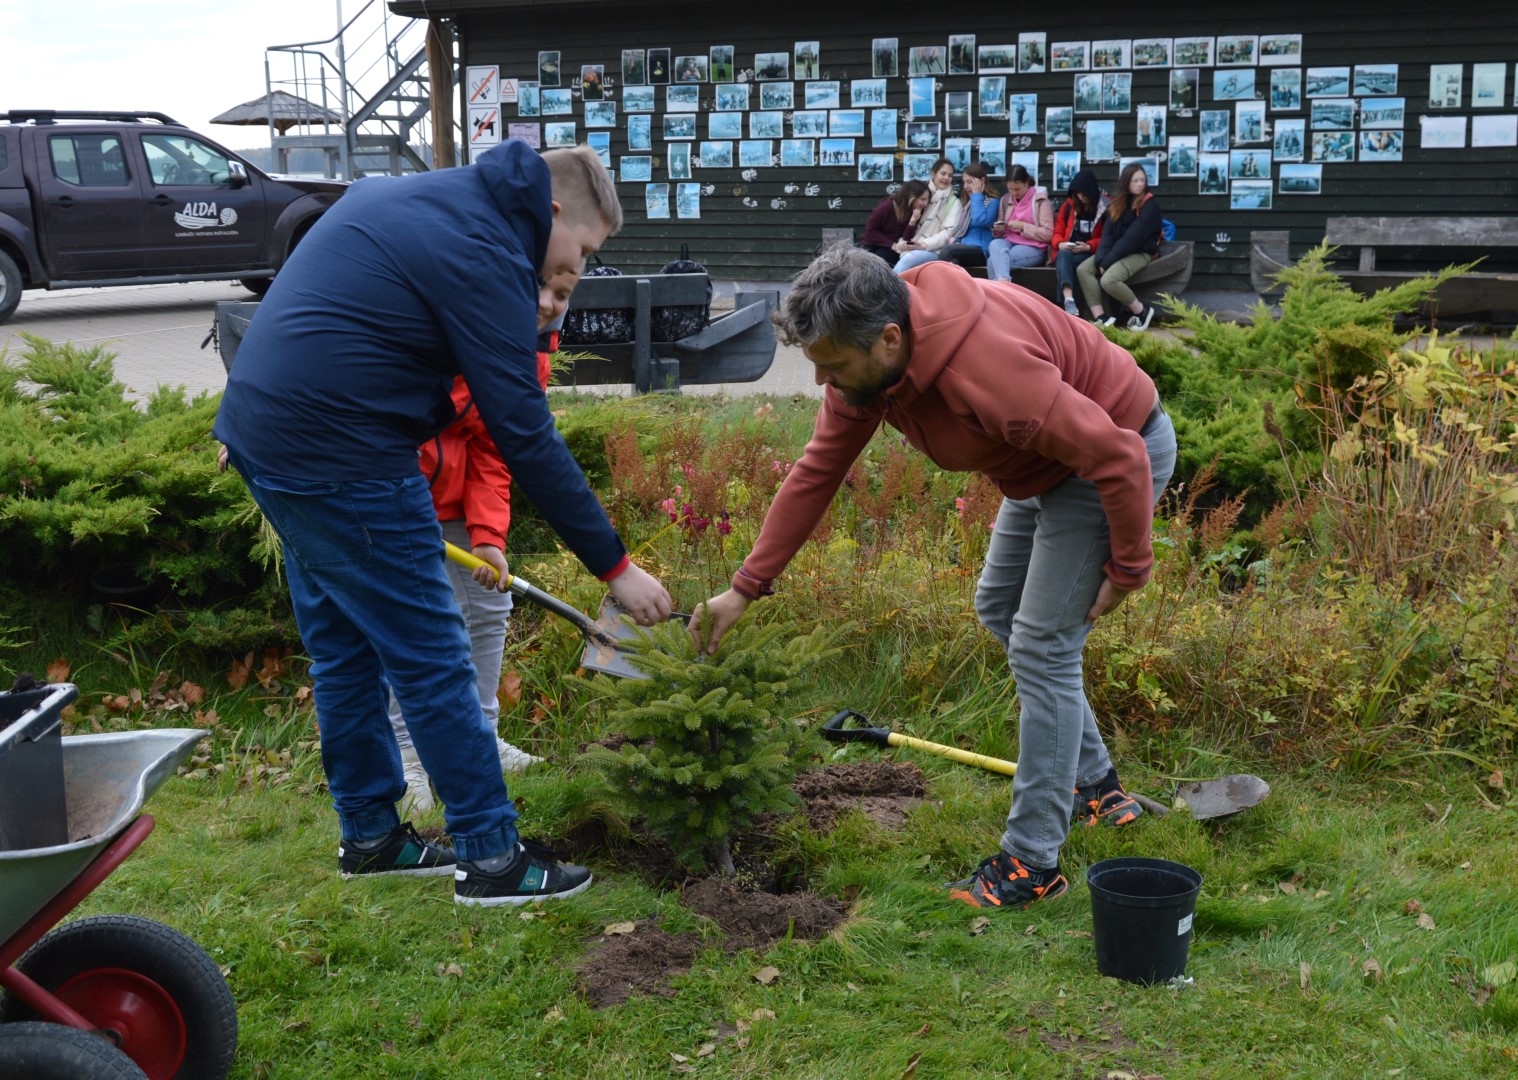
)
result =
(642, 962)
(883, 791)
(756, 920)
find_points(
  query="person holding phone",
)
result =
(1077, 232)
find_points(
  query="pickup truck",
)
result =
(133, 198)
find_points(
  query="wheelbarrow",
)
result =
(108, 996)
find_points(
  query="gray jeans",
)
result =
(1042, 573)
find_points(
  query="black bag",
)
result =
(674, 323)
(609, 326)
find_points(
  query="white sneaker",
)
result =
(514, 760)
(418, 798)
(1071, 308)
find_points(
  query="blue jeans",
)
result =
(364, 562)
(910, 259)
(1004, 256)
(1042, 573)
(1065, 264)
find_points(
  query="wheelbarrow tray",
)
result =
(106, 780)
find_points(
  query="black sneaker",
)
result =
(1142, 320)
(1003, 881)
(401, 851)
(530, 875)
(1106, 803)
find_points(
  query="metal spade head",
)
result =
(604, 637)
(1223, 796)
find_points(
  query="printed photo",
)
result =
(928, 60)
(559, 102)
(1183, 88)
(867, 92)
(680, 126)
(993, 96)
(1494, 130)
(1337, 146)
(1059, 125)
(877, 168)
(920, 103)
(836, 151)
(1066, 164)
(1488, 86)
(1441, 132)
(1380, 80)
(1233, 85)
(883, 58)
(656, 201)
(1290, 143)
(658, 66)
(993, 155)
(798, 153)
(822, 95)
(777, 95)
(529, 99)
(756, 154)
(600, 114)
(810, 124)
(1286, 89)
(1215, 129)
(1022, 114)
(1117, 91)
(1446, 86)
(1237, 50)
(679, 161)
(772, 67)
(961, 55)
(808, 56)
(1193, 52)
(724, 125)
(634, 73)
(1383, 113)
(1249, 195)
(1151, 126)
(1248, 164)
(531, 134)
(1333, 114)
(548, 68)
(1280, 48)
(956, 111)
(845, 123)
(1069, 56)
(1300, 180)
(1327, 82)
(996, 59)
(1212, 175)
(640, 132)
(1111, 55)
(1088, 92)
(924, 136)
(1101, 140)
(883, 128)
(558, 135)
(918, 166)
(958, 152)
(1028, 159)
(593, 82)
(691, 69)
(600, 142)
(1032, 54)
(722, 67)
(716, 155)
(1181, 160)
(732, 97)
(1249, 122)
(682, 99)
(637, 99)
(1380, 145)
(638, 168)
(770, 125)
(688, 201)
(1151, 52)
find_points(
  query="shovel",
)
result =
(1204, 798)
(603, 651)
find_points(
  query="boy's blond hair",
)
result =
(581, 185)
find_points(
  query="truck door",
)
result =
(203, 215)
(92, 209)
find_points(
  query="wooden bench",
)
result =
(1167, 274)
(1468, 237)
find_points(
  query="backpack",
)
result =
(610, 326)
(674, 323)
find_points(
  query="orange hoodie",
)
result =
(999, 381)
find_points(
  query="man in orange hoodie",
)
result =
(987, 376)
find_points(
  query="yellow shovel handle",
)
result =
(471, 561)
(954, 753)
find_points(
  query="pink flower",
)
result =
(668, 506)
(724, 523)
(959, 507)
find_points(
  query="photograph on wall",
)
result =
(600, 114)
(1236, 50)
(1494, 130)
(548, 68)
(1446, 86)
(1488, 86)
(1022, 114)
(961, 55)
(593, 82)
(1066, 164)
(920, 104)
(634, 73)
(993, 155)
(993, 96)
(836, 151)
(485, 125)
(928, 60)
(656, 201)
(1192, 52)
(1327, 82)
(1290, 142)
(1376, 80)
(637, 99)
(822, 95)
(1280, 49)
(1300, 180)
(715, 155)
(1059, 125)
(561, 102)
(958, 151)
(484, 85)
(637, 168)
(1212, 175)
(924, 135)
(1151, 52)
(679, 161)
(1117, 91)
(956, 111)
(724, 125)
(1101, 142)
(600, 142)
(658, 66)
(1285, 89)
(883, 55)
(1233, 85)
(809, 123)
(1333, 114)
(996, 59)
(1380, 145)
(1334, 146)
(866, 92)
(1249, 122)
(1249, 194)
(798, 153)
(771, 125)
(842, 123)
(1028, 159)
(777, 95)
(529, 99)
(1151, 167)
(1151, 126)
(1181, 158)
(682, 99)
(559, 134)
(1112, 54)
(772, 66)
(877, 168)
(722, 66)
(1032, 54)
(732, 97)
(688, 201)
(883, 130)
(917, 166)
(1383, 112)
(680, 126)
(640, 132)
(531, 134)
(1248, 164)
(691, 69)
(1184, 83)
(1442, 132)
(756, 154)
(808, 57)
(1069, 56)
(1215, 127)
(1088, 93)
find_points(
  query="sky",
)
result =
(191, 61)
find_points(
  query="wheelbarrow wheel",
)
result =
(54, 1052)
(164, 999)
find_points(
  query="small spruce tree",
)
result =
(708, 746)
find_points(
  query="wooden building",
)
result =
(1317, 109)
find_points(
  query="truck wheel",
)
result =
(256, 285)
(55, 1052)
(10, 286)
(162, 996)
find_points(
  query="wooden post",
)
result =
(440, 84)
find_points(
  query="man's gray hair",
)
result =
(846, 295)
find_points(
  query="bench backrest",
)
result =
(1467, 232)
(663, 290)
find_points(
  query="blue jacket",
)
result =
(405, 283)
(980, 215)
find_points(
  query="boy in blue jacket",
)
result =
(405, 283)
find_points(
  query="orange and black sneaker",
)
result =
(1106, 803)
(1003, 881)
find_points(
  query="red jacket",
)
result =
(469, 480)
(1064, 225)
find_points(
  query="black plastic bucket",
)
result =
(1141, 912)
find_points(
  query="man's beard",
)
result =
(866, 396)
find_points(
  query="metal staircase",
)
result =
(370, 86)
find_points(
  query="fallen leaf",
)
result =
(978, 925)
(1412, 907)
(925, 1029)
(616, 928)
(707, 1050)
(764, 1014)
(911, 1069)
(1078, 933)
(510, 693)
(1371, 969)
(679, 1058)
(452, 970)
(1495, 781)
(743, 1025)
(302, 694)
(1287, 887)
(764, 410)
(297, 1025)
(1425, 921)
(851, 988)
(1304, 975)
(58, 671)
(742, 1043)
(208, 718)
(1500, 974)
(387, 1047)
(118, 703)
(767, 974)
(237, 678)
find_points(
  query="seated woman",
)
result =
(894, 219)
(939, 221)
(972, 239)
(1077, 231)
(1130, 238)
(1024, 225)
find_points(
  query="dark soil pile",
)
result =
(756, 920)
(885, 792)
(642, 962)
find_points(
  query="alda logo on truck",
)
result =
(203, 215)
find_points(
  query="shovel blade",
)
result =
(1226, 795)
(603, 651)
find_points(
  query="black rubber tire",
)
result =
(256, 285)
(10, 286)
(149, 949)
(54, 1052)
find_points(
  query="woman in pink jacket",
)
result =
(1023, 227)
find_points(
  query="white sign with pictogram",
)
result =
(484, 85)
(508, 92)
(484, 125)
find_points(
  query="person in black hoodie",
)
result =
(1130, 238)
(1077, 232)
